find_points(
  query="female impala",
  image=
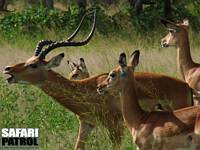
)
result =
(150, 130)
(80, 96)
(79, 70)
(178, 35)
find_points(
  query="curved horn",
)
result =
(69, 43)
(40, 45)
(71, 37)
(43, 43)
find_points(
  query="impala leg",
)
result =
(84, 131)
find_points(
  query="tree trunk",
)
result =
(167, 9)
(149, 2)
(132, 3)
(33, 2)
(138, 7)
(82, 3)
(109, 2)
(2, 4)
(48, 3)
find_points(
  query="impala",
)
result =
(81, 98)
(160, 130)
(178, 35)
(78, 96)
(78, 70)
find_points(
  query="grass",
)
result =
(27, 106)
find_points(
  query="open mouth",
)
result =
(165, 45)
(10, 78)
(100, 91)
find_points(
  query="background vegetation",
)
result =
(119, 28)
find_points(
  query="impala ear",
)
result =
(72, 65)
(55, 61)
(134, 60)
(82, 63)
(122, 60)
(169, 25)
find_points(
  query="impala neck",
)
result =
(71, 94)
(131, 109)
(184, 59)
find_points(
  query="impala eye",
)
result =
(33, 66)
(112, 75)
(75, 75)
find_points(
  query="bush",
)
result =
(149, 19)
(36, 21)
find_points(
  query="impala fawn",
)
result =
(150, 130)
(190, 71)
(78, 70)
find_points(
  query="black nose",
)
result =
(7, 68)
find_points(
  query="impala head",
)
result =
(120, 75)
(176, 32)
(36, 69)
(78, 70)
